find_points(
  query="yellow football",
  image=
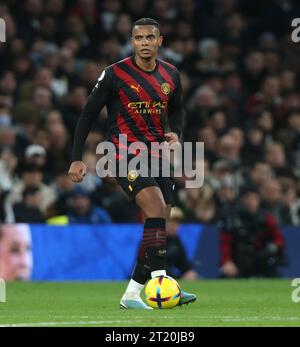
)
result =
(162, 292)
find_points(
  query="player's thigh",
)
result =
(156, 200)
(151, 194)
(151, 202)
(167, 187)
(144, 191)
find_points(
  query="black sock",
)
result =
(154, 243)
(141, 272)
(144, 264)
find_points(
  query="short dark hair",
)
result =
(146, 21)
(248, 188)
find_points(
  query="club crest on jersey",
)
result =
(132, 175)
(166, 88)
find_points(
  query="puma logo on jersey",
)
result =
(135, 88)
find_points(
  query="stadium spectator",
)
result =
(31, 175)
(221, 170)
(250, 239)
(209, 50)
(275, 155)
(238, 135)
(218, 121)
(225, 197)
(260, 174)
(28, 210)
(73, 105)
(253, 71)
(36, 154)
(265, 122)
(205, 210)
(201, 103)
(63, 187)
(229, 149)
(291, 205)
(8, 136)
(42, 98)
(197, 204)
(59, 141)
(290, 137)
(268, 97)
(8, 84)
(254, 146)
(82, 210)
(271, 193)
(208, 136)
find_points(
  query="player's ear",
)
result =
(160, 40)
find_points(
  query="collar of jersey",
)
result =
(136, 65)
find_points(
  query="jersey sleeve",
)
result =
(99, 96)
(176, 110)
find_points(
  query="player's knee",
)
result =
(156, 209)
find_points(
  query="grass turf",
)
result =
(219, 303)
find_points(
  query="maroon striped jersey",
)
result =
(143, 105)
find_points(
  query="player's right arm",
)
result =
(95, 102)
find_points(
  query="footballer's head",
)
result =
(146, 38)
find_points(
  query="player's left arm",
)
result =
(95, 102)
(176, 114)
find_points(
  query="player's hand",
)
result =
(77, 171)
(171, 138)
(229, 269)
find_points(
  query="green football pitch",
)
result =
(219, 303)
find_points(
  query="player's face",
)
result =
(15, 252)
(145, 41)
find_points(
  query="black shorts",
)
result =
(134, 183)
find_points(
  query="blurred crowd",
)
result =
(240, 78)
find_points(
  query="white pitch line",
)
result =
(234, 318)
(202, 319)
(41, 324)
